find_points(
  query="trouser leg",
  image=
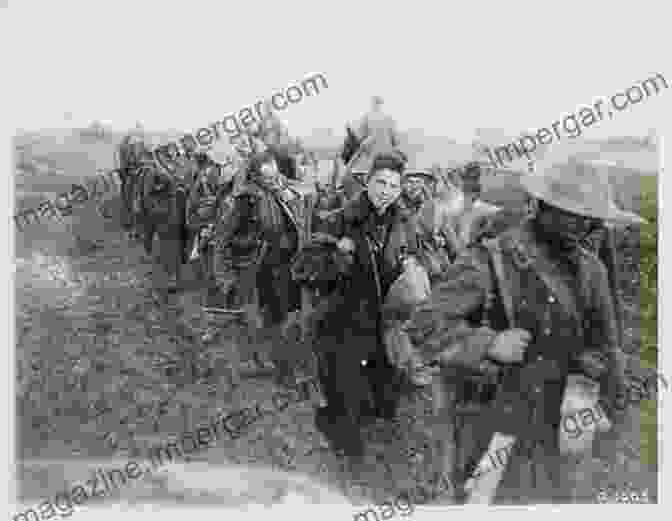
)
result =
(148, 230)
(125, 206)
(183, 232)
(342, 385)
(273, 295)
(385, 383)
(203, 266)
(170, 247)
(138, 216)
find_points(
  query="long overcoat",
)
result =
(569, 312)
(359, 379)
(164, 202)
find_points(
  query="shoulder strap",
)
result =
(494, 249)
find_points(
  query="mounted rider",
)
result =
(376, 133)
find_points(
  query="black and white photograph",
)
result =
(345, 259)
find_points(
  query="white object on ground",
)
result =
(482, 486)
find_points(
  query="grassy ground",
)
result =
(648, 263)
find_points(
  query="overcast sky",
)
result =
(176, 64)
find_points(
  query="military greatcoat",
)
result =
(358, 380)
(566, 306)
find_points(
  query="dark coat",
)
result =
(164, 202)
(357, 379)
(363, 293)
(569, 314)
(125, 154)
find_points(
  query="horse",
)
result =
(257, 236)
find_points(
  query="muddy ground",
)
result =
(89, 388)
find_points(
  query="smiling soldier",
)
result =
(358, 380)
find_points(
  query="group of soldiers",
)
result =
(423, 284)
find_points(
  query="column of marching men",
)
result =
(415, 283)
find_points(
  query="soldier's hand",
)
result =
(346, 245)
(510, 345)
(207, 231)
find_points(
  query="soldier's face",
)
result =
(566, 227)
(415, 188)
(383, 188)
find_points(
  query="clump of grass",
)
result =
(648, 270)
